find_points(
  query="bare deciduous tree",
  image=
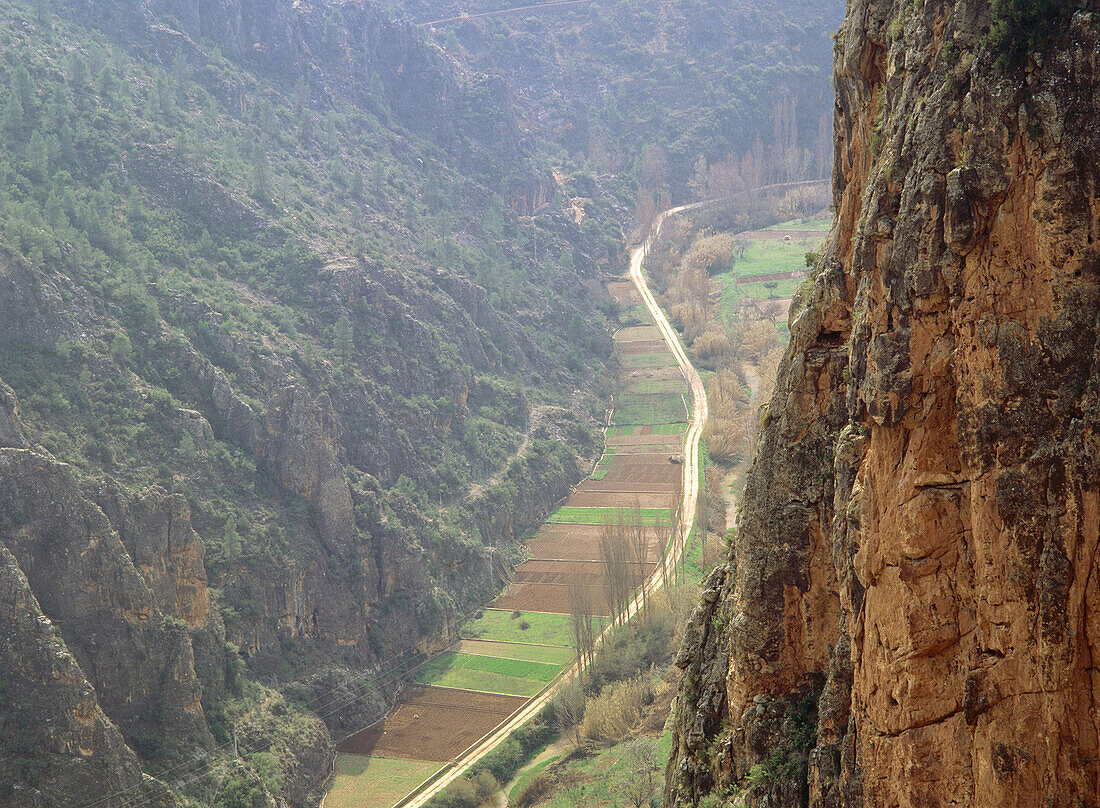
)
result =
(640, 776)
(582, 623)
(569, 711)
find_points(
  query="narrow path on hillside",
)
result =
(689, 502)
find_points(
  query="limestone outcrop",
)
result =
(910, 614)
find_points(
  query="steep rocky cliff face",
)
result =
(909, 613)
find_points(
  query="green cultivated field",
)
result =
(498, 624)
(514, 677)
(553, 654)
(375, 782)
(822, 223)
(664, 386)
(624, 430)
(654, 517)
(665, 359)
(645, 409)
(636, 315)
(767, 257)
(760, 291)
(604, 464)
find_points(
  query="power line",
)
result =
(535, 7)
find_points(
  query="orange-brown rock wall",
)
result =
(948, 512)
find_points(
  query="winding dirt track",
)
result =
(690, 499)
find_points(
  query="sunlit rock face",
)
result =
(909, 615)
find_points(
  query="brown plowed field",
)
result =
(618, 499)
(639, 475)
(433, 723)
(647, 439)
(582, 543)
(644, 346)
(624, 482)
(547, 598)
(590, 573)
(624, 293)
(652, 374)
(646, 332)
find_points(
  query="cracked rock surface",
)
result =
(910, 615)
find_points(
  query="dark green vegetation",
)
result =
(301, 335)
(307, 308)
(1025, 26)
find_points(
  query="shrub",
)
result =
(633, 648)
(612, 715)
(1022, 26)
(540, 786)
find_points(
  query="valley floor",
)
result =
(514, 655)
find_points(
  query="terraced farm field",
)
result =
(600, 515)
(500, 625)
(556, 655)
(582, 543)
(373, 780)
(513, 677)
(433, 724)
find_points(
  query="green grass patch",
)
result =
(664, 386)
(770, 290)
(645, 409)
(498, 624)
(375, 782)
(656, 517)
(636, 315)
(514, 677)
(552, 654)
(603, 773)
(822, 223)
(665, 359)
(527, 777)
(603, 465)
(768, 256)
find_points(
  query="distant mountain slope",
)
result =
(695, 78)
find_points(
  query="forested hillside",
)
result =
(274, 345)
(302, 325)
(682, 98)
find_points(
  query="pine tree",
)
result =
(14, 116)
(343, 338)
(331, 36)
(232, 537)
(355, 185)
(261, 176)
(38, 154)
(22, 86)
(78, 72)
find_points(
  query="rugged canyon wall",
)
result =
(910, 614)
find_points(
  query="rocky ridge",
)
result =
(909, 612)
